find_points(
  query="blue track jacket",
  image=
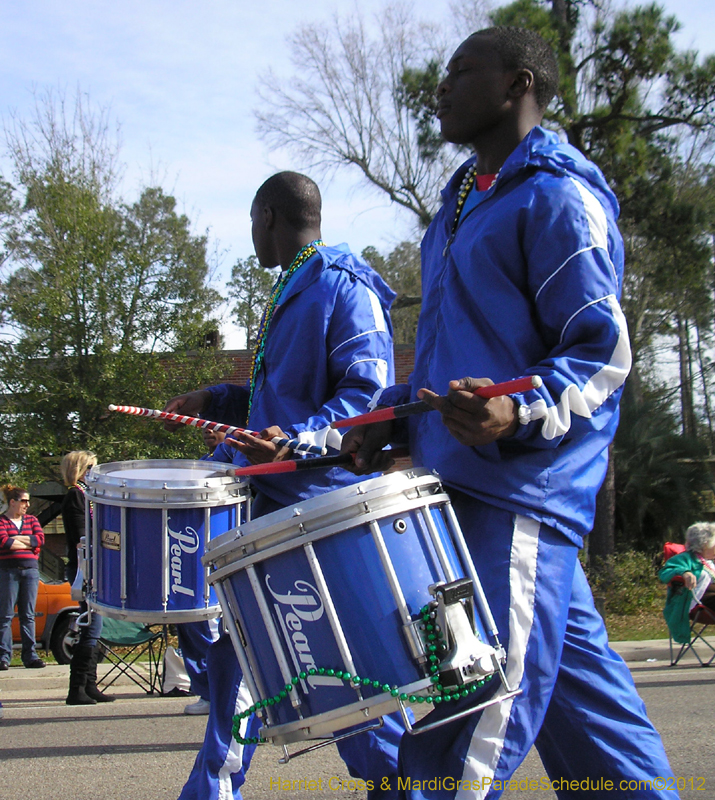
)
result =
(328, 351)
(529, 286)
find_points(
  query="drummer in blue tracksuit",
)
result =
(323, 350)
(521, 275)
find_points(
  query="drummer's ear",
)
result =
(269, 217)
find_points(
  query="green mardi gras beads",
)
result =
(356, 681)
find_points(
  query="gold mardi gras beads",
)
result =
(464, 189)
(257, 359)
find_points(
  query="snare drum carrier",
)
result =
(353, 604)
(151, 524)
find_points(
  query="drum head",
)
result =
(165, 480)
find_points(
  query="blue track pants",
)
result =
(194, 641)
(578, 702)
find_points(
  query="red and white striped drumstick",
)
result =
(280, 467)
(397, 412)
(197, 422)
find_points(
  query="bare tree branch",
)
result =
(345, 106)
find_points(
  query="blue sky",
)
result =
(181, 77)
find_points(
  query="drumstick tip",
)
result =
(536, 381)
(112, 407)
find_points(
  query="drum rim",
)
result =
(101, 473)
(310, 511)
(236, 554)
(150, 616)
(329, 722)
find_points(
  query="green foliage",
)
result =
(96, 293)
(62, 406)
(159, 280)
(666, 215)
(662, 476)
(418, 91)
(250, 287)
(633, 586)
(401, 271)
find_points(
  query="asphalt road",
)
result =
(142, 747)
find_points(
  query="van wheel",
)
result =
(63, 639)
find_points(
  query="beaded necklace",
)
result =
(465, 188)
(82, 486)
(257, 360)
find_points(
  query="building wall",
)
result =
(239, 364)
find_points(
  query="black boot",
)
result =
(79, 668)
(91, 688)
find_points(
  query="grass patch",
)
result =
(633, 595)
(636, 627)
(16, 660)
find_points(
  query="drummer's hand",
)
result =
(367, 441)
(471, 419)
(190, 404)
(260, 449)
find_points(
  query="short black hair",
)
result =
(521, 48)
(294, 196)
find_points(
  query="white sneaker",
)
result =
(200, 707)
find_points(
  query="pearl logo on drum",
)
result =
(186, 541)
(111, 540)
(306, 606)
(307, 599)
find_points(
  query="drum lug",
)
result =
(467, 658)
(414, 641)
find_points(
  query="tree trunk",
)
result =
(702, 363)
(602, 539)
(686, 381)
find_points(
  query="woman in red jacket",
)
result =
(21, 538)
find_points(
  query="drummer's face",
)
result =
(212, 438)
(262, 240)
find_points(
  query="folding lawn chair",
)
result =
(137, 641)
(701, 618)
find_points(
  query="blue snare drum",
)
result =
(151, 523)
(340, 583)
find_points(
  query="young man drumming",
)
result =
(521, 274)
(324, 349)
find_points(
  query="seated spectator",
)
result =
(695, 566)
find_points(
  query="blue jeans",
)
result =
(18, 585)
